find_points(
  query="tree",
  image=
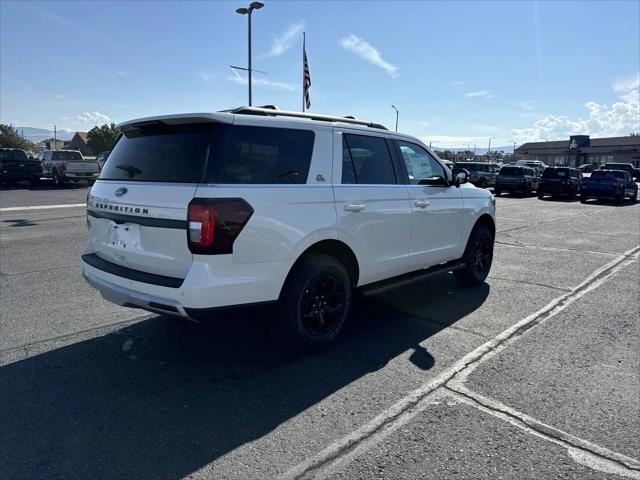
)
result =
(9, 137)
(635, 134)
(102, 138)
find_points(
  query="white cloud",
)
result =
(94, 118)
(627, 84)
(452, 141)
(260, 82)
(600, 120)
(285, 41)
(365, 50)
(479, 93)
(207, 77)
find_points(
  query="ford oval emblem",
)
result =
(121, 191)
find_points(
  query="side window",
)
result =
(262, 155)
(371, 162)
(422, 167)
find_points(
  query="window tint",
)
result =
(422, 167)
(370, 159)
(263, 155)
(66, 155)
(161, 153)
(511, 171)
(13, 155)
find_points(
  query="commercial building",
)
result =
(581, 149)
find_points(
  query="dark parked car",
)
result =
(560, 181)
(614, 184)
(517, 179)
(586, 168)
(16, 166)
(627, 167)
(481, 174)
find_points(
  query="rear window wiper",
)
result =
(290, 174)
(130, 169)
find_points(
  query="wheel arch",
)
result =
(487, 220)
(335, 248)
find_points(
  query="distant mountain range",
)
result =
(479, 151)
(36, 135)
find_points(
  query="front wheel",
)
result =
(315, 302)
(478, 256)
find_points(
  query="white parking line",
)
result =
(344, 450)
(42, 207)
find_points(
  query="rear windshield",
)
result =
(511, 171)
(618, 166)
(607, 174)
(161, 153)
(66, 155)
(230, 155)
(555, 173)
(13, 155)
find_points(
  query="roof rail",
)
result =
(312, 116)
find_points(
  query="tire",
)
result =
(634, 197)
(497, 192)
(478, 256)
(620, 198)
(583, 198)
(540, 195)
(314, 303)
(573, 194)
(527, 190)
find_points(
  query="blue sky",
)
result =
(460, 72)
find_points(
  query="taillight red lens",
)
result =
(215, 223)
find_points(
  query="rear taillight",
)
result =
(215, 223)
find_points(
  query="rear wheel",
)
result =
(478, 256)
(527, 190)
(315, 302)
(583, 198)
(573, 193)
(540, 194)
(620, 198)
(634, 197)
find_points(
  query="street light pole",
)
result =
(397, 113)
(489, 150)
(248, 11)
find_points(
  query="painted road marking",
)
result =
(344, 450)
(42, 207)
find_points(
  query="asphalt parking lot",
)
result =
(535, 374)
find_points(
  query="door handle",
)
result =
(354, 207)
(422, 203)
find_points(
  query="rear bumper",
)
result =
(81, 176)
(127, 297)
(211, 283)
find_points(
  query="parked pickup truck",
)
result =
(16, 166)
(613, 184)
(65, 165)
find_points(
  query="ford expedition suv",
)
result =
(516, 179)
(200, 211)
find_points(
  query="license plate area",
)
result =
(123, 236)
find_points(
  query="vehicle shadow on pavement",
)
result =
(159, 399)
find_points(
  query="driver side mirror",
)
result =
(460, 176)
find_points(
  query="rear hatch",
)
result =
(15, 163)
(138, 207)
(75, 163)
(602, 181)
(555, 178)
(510, 175)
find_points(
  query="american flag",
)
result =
(306, 82)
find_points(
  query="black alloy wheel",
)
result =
(478, 257)
(323, 302)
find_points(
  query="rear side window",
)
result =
(366, 160)
(162, 153)
(262, 155)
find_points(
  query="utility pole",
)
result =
(248, 11)
(397, 113)
(55, 137)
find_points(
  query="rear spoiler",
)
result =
(177, 119)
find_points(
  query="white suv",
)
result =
(200, 211)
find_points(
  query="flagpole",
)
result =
(304, 39)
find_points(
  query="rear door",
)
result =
(373, 209)
(137, 210)
(437, 210)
